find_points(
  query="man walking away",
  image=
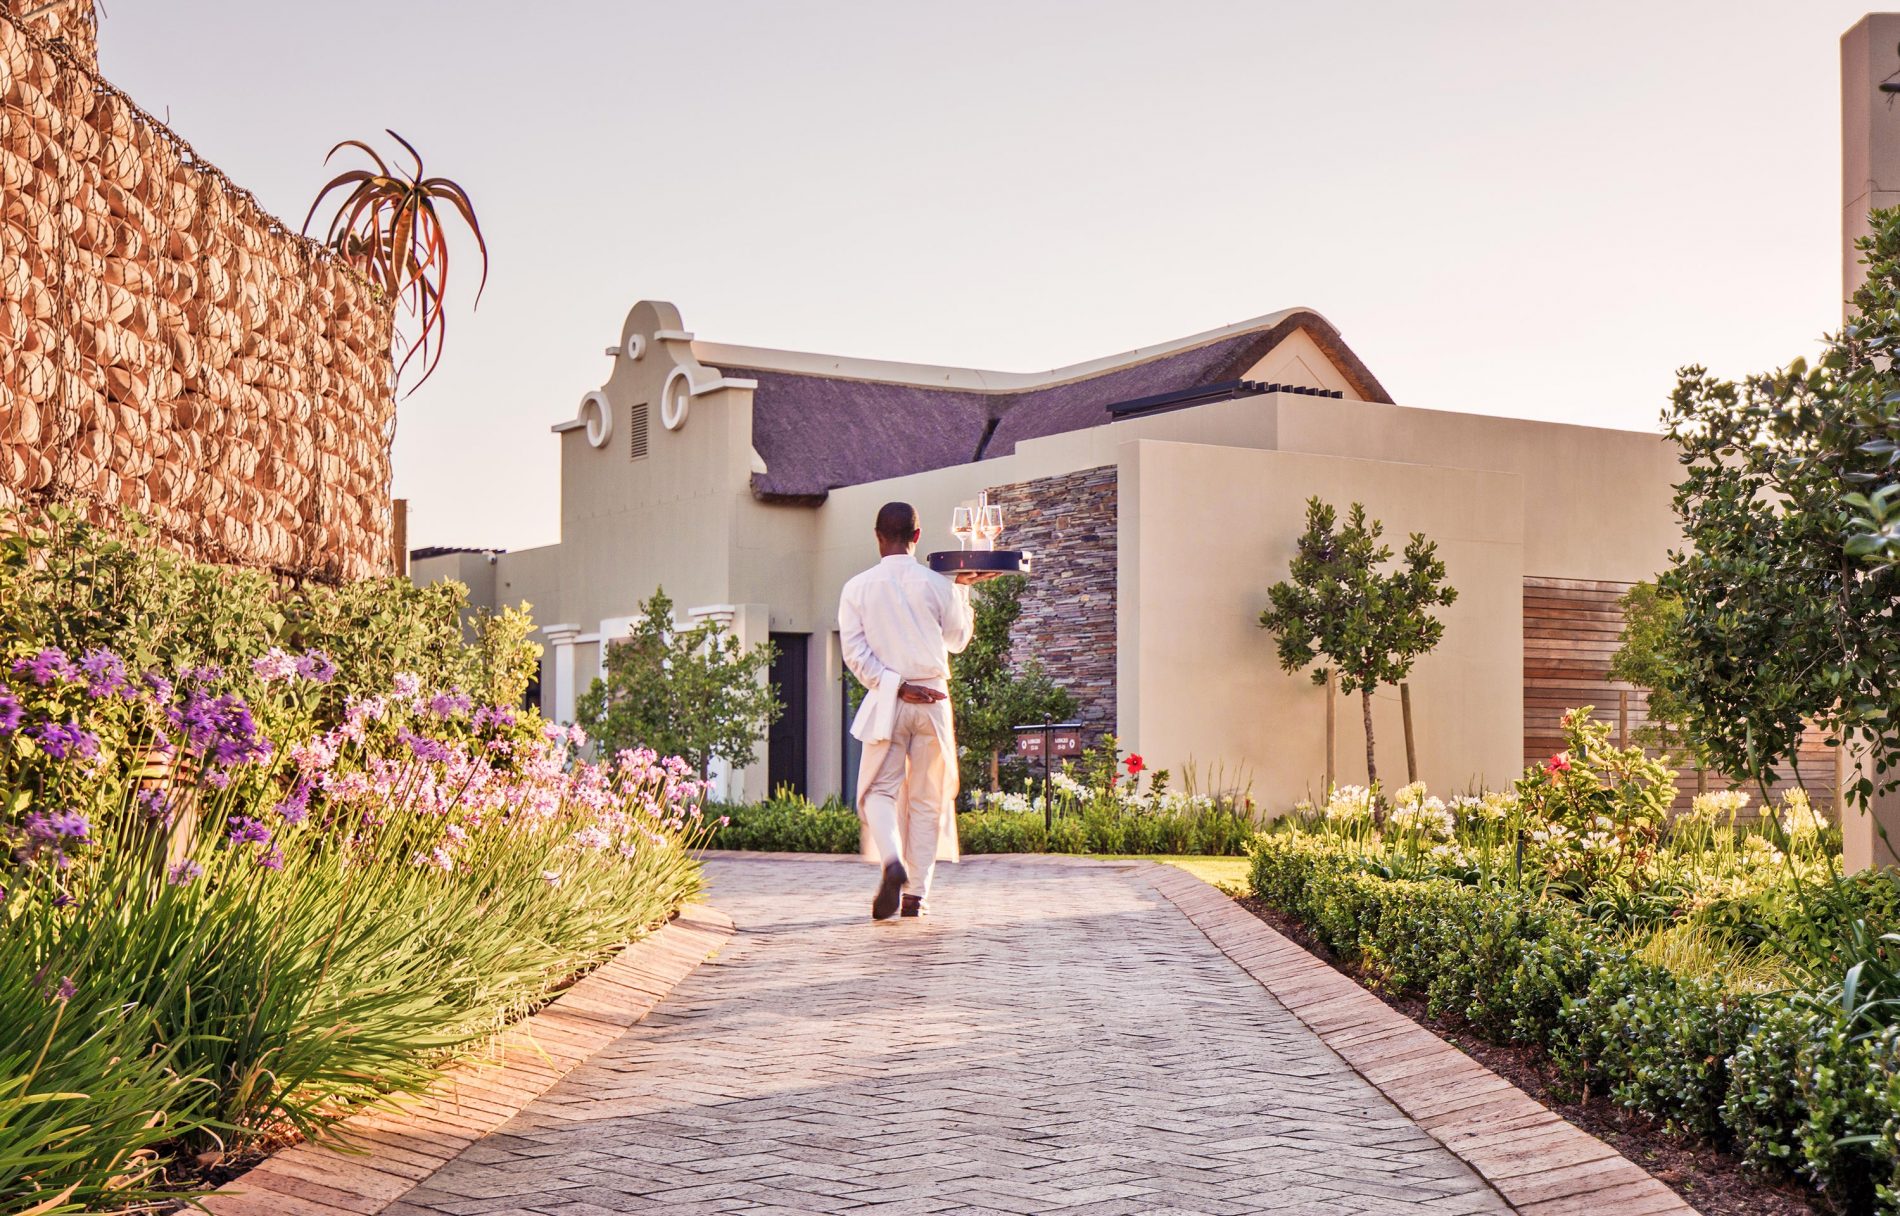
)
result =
(899, 623)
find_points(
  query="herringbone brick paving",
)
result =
(1053, 1038)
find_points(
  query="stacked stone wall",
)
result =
(168, 346)
(1068, 623)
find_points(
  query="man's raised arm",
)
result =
(959, 622)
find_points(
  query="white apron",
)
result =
(873, 726)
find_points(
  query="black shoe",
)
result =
(913, 906)
(884, 903)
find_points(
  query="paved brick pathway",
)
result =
(1054, 1038)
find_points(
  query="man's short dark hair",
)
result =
(897, 521)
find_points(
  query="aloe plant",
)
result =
(389, 227)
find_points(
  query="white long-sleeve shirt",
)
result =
(902, 619)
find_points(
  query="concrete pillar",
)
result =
(1870, 179)
(1870, 132)
(751, 625)
(561, 644)
(1869, 836)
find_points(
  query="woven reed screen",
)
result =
(167, 345)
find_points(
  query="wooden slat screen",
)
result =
(1572, 628)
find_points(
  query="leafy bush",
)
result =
(692, 692)
(268, 851)
(1806, 1084)
(1655, 1043)
(77, 586)
(787, 823)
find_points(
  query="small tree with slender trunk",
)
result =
(1343, 607)
(691, 692)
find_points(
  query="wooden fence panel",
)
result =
(1572, 628)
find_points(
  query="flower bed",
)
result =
(1100, 806)
(243, 896)
(1725, 981)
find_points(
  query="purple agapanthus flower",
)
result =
(450, 704)
(425, 748)
(65, 990)
(273, 860)
(274, 665)
(38, 827)
(45, 667)
(219, 727)
(156, 806)
(296, 808)
(71, 825)
(11, 712)
(245, 830)
(157, 685)
(498, 716)
(64, 900)
(183, 873)
(316, 667)
(62, 741)
(105, 674)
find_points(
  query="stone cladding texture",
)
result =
(1067, 523)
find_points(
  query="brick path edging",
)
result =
(392, 1148)
(1541, 1164)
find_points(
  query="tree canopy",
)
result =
(1787, 604)
(990, 694)
(692, 692)
(1343, 607)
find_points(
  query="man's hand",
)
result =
(917, 694)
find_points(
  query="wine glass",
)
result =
(989, 525)
(962, 523)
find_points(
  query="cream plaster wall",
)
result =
(1870, 140)
(1596, 501)
(1206, 530)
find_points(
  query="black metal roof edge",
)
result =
(1224, 390)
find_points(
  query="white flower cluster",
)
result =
(1798, 816)
(1493, 807)
(1067, 785)
(1722, 804)
(1757, 850)
(1414, 811)
(1348, 804)
(1015, 804)
(1176, 803)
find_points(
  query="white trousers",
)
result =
(914, 765)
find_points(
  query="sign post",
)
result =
(1047, 741)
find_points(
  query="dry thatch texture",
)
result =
(74, 23)
(168, 346)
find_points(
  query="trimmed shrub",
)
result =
(1654, 1043)
(1794, 1086)
(789, 824)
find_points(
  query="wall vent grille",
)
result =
(637, 431)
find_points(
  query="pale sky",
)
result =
(1532, 209)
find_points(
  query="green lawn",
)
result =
(1227, 873)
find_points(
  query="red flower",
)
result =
(1559, 763)
(1135, 764)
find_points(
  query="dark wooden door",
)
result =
(785, 746)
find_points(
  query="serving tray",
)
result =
(980, 561)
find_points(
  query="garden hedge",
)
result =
(1789, 1082)
(793, 825)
